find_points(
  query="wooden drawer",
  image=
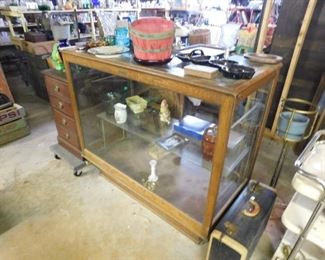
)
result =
(61, 105)
(76, 151)
(69, 136)
(64, 121)
(57, 88)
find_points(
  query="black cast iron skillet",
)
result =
(222, 62)
(197, 57)
(235, 71)
(185, 57)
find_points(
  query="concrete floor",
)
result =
(47, 213)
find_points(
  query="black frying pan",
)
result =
(235, 71)
(221, 63)
(197, 57)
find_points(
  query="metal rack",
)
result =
(305, 234)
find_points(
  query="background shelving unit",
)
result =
(75, 16)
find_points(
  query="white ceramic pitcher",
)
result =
(120, 113)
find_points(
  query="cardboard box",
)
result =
(11, 113)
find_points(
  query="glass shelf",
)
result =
(191, 150)
(146, 125)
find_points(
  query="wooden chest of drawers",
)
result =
(57, 88)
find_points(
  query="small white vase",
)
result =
(120, 113)
(153, 176)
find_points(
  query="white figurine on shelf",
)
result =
(152, 177)
(164, 112)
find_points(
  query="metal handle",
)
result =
(56, 88)
(196, 52)
(67, 136)
(60, 105)
(64, 121)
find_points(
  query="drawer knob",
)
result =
(60, 105)
(56, 88)
(67, 136)
(64, 121)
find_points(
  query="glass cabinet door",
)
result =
(162, 139)
(136, 127)
(247, 120)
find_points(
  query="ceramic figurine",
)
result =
(120, 113)
(164, 112)
(68, 5)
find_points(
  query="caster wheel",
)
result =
(77, 173)
(57, 157)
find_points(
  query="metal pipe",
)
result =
(317, 211)
(279, 165)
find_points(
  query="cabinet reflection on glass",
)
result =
(163, 139)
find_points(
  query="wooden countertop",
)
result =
(173, 71)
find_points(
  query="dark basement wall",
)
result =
(311, 63)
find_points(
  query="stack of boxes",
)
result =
(13, 125)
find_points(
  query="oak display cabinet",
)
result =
(193, 189)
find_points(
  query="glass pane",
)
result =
(242, 139)
(135, 135)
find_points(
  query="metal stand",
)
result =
(292, 131)
(279, 164)
(76, 163)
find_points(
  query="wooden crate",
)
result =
(200, 36)
(11, 113)
(21, 132)
(38, 48)
(12, 126)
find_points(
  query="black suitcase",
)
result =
(239, 230)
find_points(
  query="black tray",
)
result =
(152, 62)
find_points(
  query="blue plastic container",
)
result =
(122, 37)
(296, 130)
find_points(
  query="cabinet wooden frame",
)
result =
(208, 90)
(58, 91)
